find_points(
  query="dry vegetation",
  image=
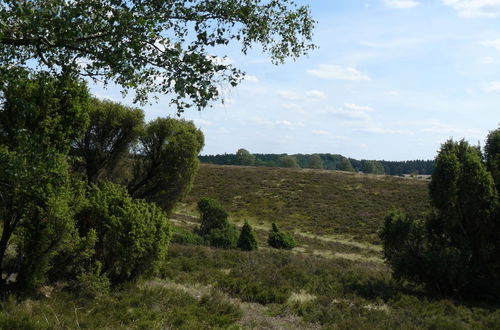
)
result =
(308, 201)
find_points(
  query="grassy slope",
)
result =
(331, 281)
(312, 201)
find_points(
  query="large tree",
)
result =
(165, 161)
(151, 46)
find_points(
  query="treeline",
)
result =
(322, 161)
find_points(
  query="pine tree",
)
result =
(248, 239)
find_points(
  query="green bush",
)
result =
(280, 240)
(455, 251)
(132, 235)
(183, 236)
(248, 239)
(213, 215)
(224, 238)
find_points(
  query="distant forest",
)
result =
(322, 161)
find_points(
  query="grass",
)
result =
(308, 201)
(334, 279)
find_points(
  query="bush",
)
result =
(455, 251)
(183, 236)
(213, 215)
(224, 238)
(280, 239)
(132, 235)
(247, 240)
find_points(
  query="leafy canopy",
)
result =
(152, 46)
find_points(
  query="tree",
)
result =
(492, 155)
(248, 239)
(346, 165)
(243, 157)
(289, 161)
(39, 117)
(165, 161)
(151, 46)
(212, 215)
(280, 240)
(456, 250)
(373, 167)
(108, 139)
(316, 162)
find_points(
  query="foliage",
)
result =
(280, 239)
(330, 162)
(225, 237)
(456, 251)
(39, 117)
(346, 165)
(315, 162)
(151, 46)
(165, 161)
(132, 235)
(107, 141)
(316, 202)
(288, 161)
(373, 167)
(492, 155)
(184, 236)
(213, 215)
(148, 305)
(243, 157)
(248, 239)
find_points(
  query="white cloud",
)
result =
(494, 86)
(393, 93)
(251, 78)
(293, 107)
(327, 71)
(352, 112)
(487, 60)
(358, 108)
(315, 94)
(287, 124)
(381, 130)
(320, 132)
(491, 43)
(202, 122)
(401, 4)
(289, 95)
(475, 8)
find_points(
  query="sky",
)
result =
(391, 80)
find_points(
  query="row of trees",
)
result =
(456, 249)
(321, 161)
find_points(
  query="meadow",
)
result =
(335, 279)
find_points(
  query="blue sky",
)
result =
(391, 80)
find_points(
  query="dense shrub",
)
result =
(213, 215)
(132, 235)
(280, 240)
(248, 239)
(456, 250)
(184, 236)
(224, 238)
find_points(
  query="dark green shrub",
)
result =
(183, 236)
(248, 239)
(213, 215)
(456, 250)
(224, 238)
(132, 235)
(280, 240)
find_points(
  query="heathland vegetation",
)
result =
(103, 224)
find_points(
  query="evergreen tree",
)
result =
(248, 239)
(279, 239)
(345, 165)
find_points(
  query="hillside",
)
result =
(318, 202)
